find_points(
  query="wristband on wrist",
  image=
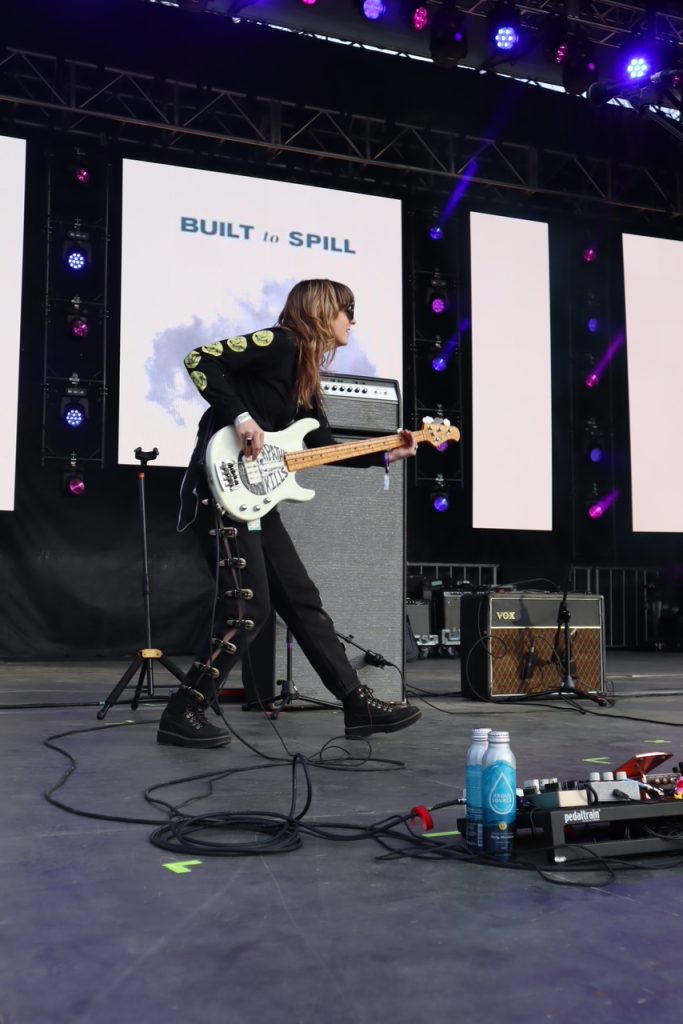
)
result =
(242, 418)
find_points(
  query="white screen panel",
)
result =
(653, 272)
(511, 374)
(183, 286)
(12, 176)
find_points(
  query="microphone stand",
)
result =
(143, 661)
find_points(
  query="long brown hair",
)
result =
(310, 311)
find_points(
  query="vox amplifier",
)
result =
(511, 644)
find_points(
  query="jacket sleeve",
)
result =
(215, 368)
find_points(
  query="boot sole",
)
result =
(361, 731)
(169, 739)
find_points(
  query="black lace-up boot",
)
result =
(364, 714)
(184, 722)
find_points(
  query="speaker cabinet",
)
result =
(505, 637)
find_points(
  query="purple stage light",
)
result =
(592, 380)
(440, 503)
(638, 67)
(436, 232)
(561, 53)
(76, 486)
(506, 37)
(598, 508)
(309, 3)
(596, 455)
(593, 324)
(420, 19)
(590, 255)
(438, 304)
(373, 9)
(439, 364)
(80, 328)
(82, 175)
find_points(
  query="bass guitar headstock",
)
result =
(437, 431)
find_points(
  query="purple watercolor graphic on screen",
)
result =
(169, 383)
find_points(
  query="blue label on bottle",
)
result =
(498, 792)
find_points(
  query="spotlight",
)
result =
(448, 43)
(590, 254)
(74, 406)
(438, 357)
(74, 413)
(437, 297)
(78, 324)
(76, 258)
(593, 324)
(504, 26)
(73, 478)
(637, 67)
(598, 506)
(373, 10)
(439, 495)
(594, 442)
(417, 16)
(309, 3)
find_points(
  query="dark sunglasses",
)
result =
(349, 309)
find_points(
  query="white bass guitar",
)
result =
(246, 489)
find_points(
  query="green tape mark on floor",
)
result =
(181, 867)
(596, 760)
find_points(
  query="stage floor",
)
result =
(97, 926)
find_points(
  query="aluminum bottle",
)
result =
(474, 836)
(499, 800)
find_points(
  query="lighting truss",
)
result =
(269, 134)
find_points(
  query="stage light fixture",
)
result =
(77, 250)
(308, 3)
(73, 478)
(594, 442)
(590, 254)
(504, 26)
(438, 497)
(74, 406)
(437, 295)
(597, 506)
(373, 10)
(438, 357)
(416, 15)
(448, 43)
(593, 324)
(82, 175)
(79, 326)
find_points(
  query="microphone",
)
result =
(603, 92)
(529, 662)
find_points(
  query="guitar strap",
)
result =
(189, 497)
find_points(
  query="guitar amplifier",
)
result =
(510, 644)
(351, 538)
(367, 404)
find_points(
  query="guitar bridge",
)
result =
(227, 474)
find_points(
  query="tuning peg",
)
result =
(446, 423)
(427, 419)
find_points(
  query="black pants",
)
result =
(279, 580)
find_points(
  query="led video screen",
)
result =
(653, 271)
(511, 374)
(207, 256)
(13, 163)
